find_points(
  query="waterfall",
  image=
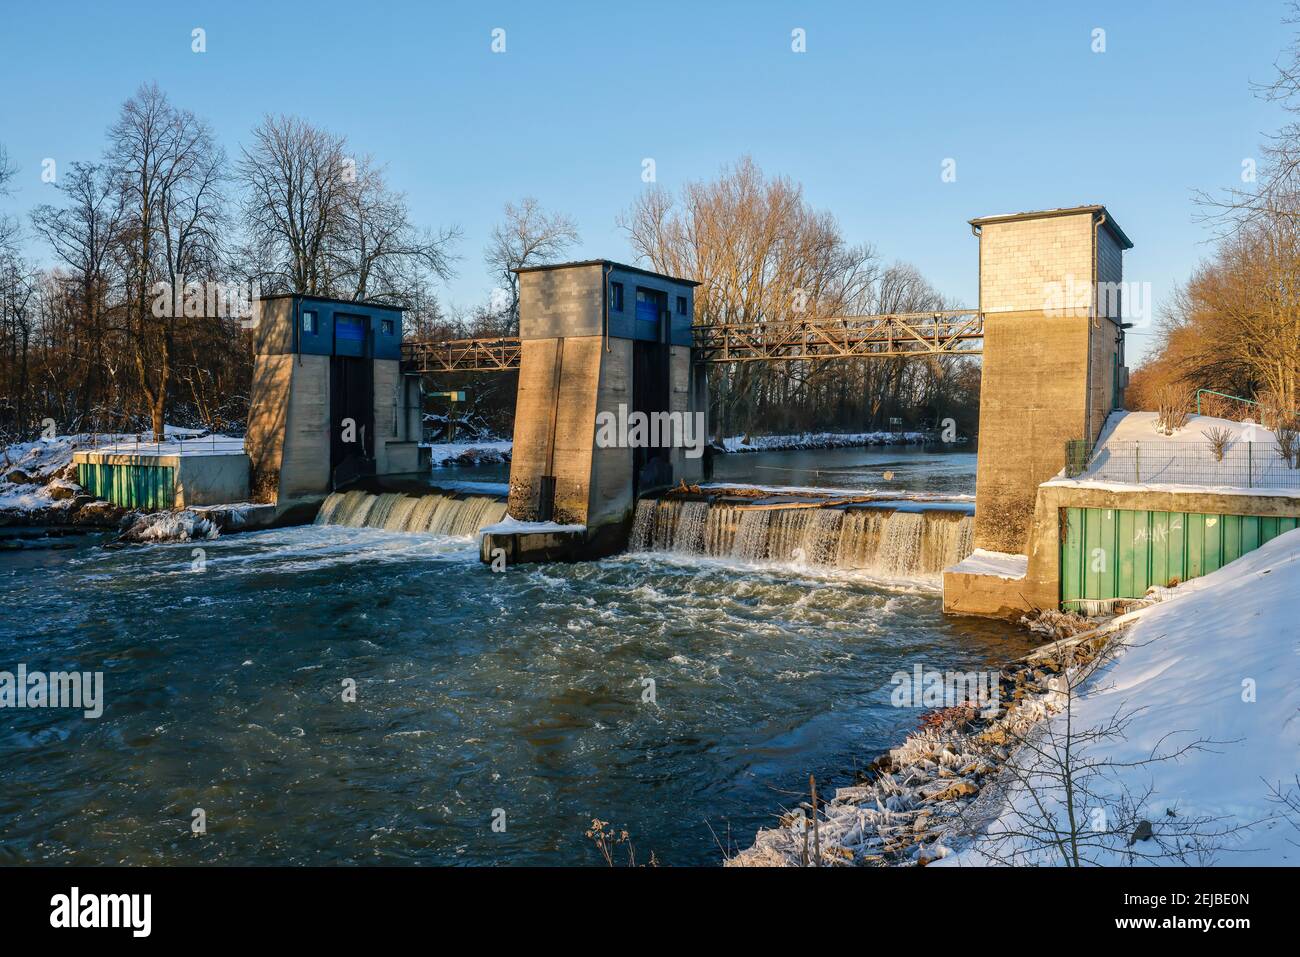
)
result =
(895, 544)
(437, 512)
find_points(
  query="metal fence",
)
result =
(141, 444)
(1241, 465)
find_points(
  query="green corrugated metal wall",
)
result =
(131, 486)
(1119, 553)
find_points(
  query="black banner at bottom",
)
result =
(333, 906)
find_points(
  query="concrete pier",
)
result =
(329, 404)
(1053, 369)
(599, 340)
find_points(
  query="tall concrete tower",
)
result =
(599, 338)
(329, 404)
(1053, 354)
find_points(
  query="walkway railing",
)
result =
(119, 444)
(953, 332)
(462, 355)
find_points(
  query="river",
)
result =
(685, 699)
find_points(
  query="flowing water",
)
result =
(438, 514)
(526, 692)
(889, 542)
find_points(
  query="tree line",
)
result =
(95, 343)
(105, 339)
(1234, 325)
(762, 252)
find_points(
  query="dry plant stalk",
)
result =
(1173, 409)
(1288, 441)
(1218, 437)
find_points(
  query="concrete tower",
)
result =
(598, 338)
(329, 404)
(1053, 354)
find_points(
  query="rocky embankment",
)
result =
(38, 486)
(919, 800)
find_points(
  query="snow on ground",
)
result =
(1217, 659)
(487, 452)
(24, 498)
(1132, 452)
(997, 564)
(500, 489)
(818, 440)
(29, 473)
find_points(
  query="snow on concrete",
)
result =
(837, 492)
(995, 564)
(818, 440)
(1217, 659)
(513, 526)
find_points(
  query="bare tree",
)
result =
(169, 170)
(1270, 188)
(376, 251)
(322, 222)
(761, 253)
(82, 235)
(528, 236)
(294, 177)
(8, 225)
(1235, 325)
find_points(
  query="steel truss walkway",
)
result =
(958, 332)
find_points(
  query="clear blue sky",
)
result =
(585, 91)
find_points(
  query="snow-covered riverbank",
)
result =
(38, 482)
(38, 485)
(1183, 737)
(818, 440)
(493, 451)
(481, 452)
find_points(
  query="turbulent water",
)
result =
(886, 542)
(436, 513)
(676, 695)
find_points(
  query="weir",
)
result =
(439, 513)
(886, 540)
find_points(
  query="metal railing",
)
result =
(952, 332)
(116, 443)
(1222, 395)
(1242, 464)
(462, 355)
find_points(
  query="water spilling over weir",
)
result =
(439, 513)
(884, 541)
